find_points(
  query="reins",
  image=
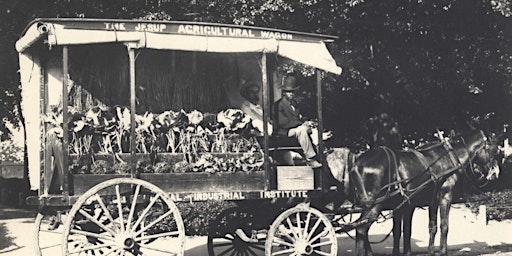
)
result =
(407, 194)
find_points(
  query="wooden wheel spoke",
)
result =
(223, 244)
(119, 207)
(146, 210)
(249, 250)
(102, 233)
(101, 225)
(132, 208)
(50, 246)
(321, 244)
(154, 222)
(143, 238)
(112, 250)
(86, 233)
(257, 246)
(142, 246)
(104, 208)
(291, 228)
(306, 225)
(299, 229)
(284, 251)
(317, 223)
(226, 251)
(90, 248)
(284, 232)
(322, 253)
(323, 233)
(312, 228)
(50, 232)
(281, 242)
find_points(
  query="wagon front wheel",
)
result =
(47, 232)
(124, 217)
(301, 230)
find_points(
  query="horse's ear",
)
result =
(452, 134)
(471, 127)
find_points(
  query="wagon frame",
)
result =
(59, 36)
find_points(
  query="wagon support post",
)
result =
(266, 118)
(320, 174)
(65, 121)
(131, 57)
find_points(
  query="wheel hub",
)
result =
(302, 247)
(125, 241)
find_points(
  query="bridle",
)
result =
(476, 177)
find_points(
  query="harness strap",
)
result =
(396, 180)
(423, 161)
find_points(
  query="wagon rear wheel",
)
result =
(47, 233)
(226, 231)
(301, 230)
(124, 217)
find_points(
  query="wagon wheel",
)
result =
(47, 233)
(224, 237)
(124, 217)
(301, 230)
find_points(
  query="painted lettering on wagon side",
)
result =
(215, 31)
(204, 196)
(150, 27)
(283, 193)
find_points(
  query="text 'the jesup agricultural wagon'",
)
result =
(125, 118)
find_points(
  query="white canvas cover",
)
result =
(30, 106)
(312, 53)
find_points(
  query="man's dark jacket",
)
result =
(285, 117)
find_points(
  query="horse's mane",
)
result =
(429, 145)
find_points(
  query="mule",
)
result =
(400, 180)
(340, 162)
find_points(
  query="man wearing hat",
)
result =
(288, 120)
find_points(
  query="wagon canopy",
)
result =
(305, 48)
(43, 34)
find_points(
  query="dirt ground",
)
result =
(468, 235)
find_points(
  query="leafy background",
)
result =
(427, 64)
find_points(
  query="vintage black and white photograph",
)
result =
(255, 127)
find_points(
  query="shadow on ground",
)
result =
(7, 213)
(5, 240)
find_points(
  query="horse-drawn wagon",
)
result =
(125, 118)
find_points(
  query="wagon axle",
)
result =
(125, 241)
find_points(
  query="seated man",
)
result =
(289, 124)
(250, 106)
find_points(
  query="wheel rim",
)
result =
(222, 240)
(124, 217)
(301, 230)
(47, 237)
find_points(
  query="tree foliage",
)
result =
(427, 64)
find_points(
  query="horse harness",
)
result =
(396, 184)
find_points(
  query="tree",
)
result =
(428, 65)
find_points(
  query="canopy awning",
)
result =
(309, 49)
(305, 48)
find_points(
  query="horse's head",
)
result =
(483, 154)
